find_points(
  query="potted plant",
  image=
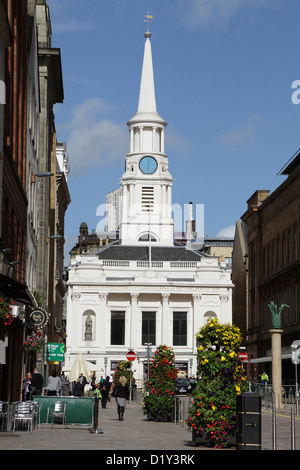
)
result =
(212, 415)
(160, 388)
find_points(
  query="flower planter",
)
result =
(202, 439)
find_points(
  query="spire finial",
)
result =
(148, 20)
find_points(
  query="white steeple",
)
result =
(147, 183)
(147, 103)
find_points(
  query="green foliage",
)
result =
(7, 320)
(123, 368)
(160, 388)
(222, 378)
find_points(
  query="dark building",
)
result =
(270, 238)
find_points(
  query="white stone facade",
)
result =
(144, 288)
(99, 288)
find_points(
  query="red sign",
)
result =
(243, 356)
(130, 356)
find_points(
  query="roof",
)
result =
(291, 165)
(158, 253)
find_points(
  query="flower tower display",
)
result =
(160, 388)
(123, 368)
(212, 414)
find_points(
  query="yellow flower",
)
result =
(223, 358)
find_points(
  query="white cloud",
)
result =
(175, 142)
(93, 139)
(226, 232)
(72, 26)
(218, 13)
(238, 138)
(242, 136)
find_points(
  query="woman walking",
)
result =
(121, 392)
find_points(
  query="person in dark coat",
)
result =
(78, 389)
(105, 386)
(121, 392)
(37, 383)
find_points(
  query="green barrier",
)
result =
(79, 409)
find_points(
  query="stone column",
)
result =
(133, 338)
(166, 331)
(276, 366)
(102, 323)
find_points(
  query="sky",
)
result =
(227, 81)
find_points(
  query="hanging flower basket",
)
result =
(34, 342)
(8, 322)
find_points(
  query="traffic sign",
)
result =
(243, 356)
(130, 356)
(296, 357)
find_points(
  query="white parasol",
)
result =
(79, 367)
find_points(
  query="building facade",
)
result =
(269, 236)
(33, 195)
(143, 289)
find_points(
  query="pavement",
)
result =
(136, 436)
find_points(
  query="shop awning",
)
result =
(17, 291)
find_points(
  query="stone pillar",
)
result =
(133, 339)
(276, 366)
(165, 323)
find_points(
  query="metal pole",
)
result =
(95, 429)
(296, 390)
(130, 387)
(293, 428)
(274, 444)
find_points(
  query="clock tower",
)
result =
(146, 183)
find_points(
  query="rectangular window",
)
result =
(148, 327)
(117, 334)
(179, 328)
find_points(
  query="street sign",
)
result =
(243, 356)
(296, 357)
(55, 352)
(130, 356)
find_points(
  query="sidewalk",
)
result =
(135, 433)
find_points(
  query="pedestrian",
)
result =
(105, 386)
(121, 393)
(27, 387)
(37, 383)
(78, 388)
(264, 378)
(54, 384)
(93, 380)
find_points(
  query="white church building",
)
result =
(144, 288)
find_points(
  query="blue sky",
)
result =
(223, 73)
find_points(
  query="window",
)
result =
(179, 328)
(148, 327)
(146, 238)
(117, 334)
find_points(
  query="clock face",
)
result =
(148, 165)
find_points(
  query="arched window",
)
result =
(146, 237)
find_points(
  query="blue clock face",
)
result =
(148, 165)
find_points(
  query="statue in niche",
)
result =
(88, 334)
